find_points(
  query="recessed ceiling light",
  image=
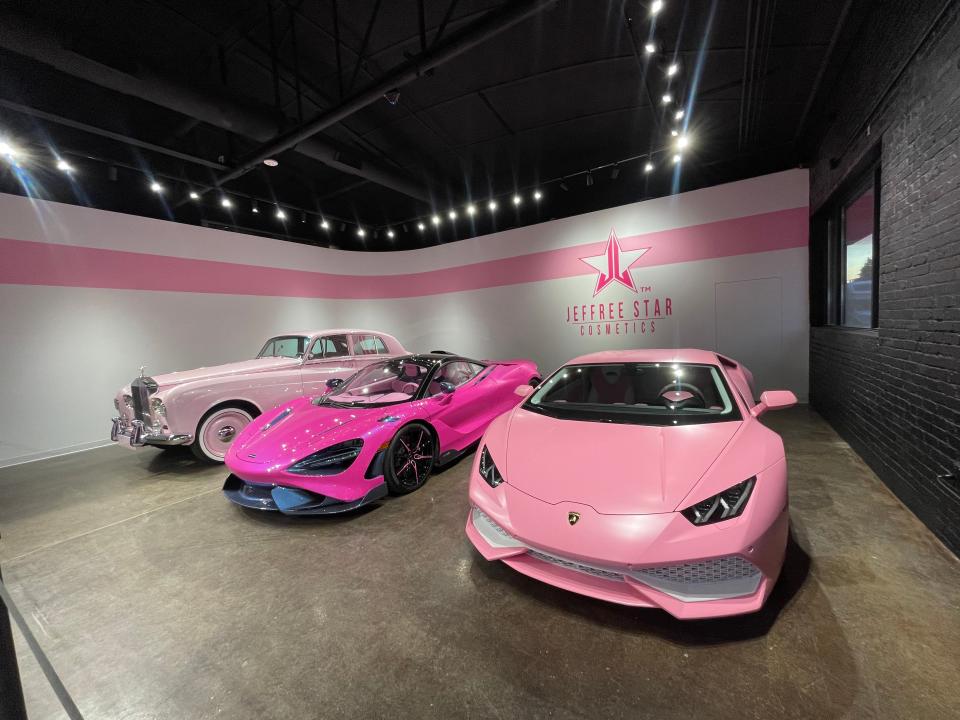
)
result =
(667, 98)
(270, 162)
(452, 214)
(678, 115)
(648, 167)
(656, 6)
(194, 195)
(677, 158)
(537, 195)
(64, 166)
(156, 187)
(390, 234)
(674, 132)
(281, 215)
(361, 232)
(421, 227)
(226, 202)
(492, 205)
(254, 207)
(435, 219)
(324, 225)
(683, 141)
(517, 199)
(471, 209)
(673, 69)
(649, 48)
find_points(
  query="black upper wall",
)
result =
(894, 393)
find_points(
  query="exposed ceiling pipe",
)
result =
(455, 44)
(24, 36)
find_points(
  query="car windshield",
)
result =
(289, 346)
(383, 383)
(636, 393)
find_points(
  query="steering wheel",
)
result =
(669, 393)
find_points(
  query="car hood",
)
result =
(243, 367)
(292, 432)
(613, 468)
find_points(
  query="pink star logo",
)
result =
(614, 265)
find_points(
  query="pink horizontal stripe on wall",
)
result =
(34, 263)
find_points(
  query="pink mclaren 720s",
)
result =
(382, 430)
(640, 477)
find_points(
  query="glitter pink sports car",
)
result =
(381, 431)
(640, 477)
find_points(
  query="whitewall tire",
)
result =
(217, 431)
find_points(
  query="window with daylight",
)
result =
(844, 244)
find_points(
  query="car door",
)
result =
(327, 357)
(464, 410)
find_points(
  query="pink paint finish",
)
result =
(595, 507)
(268, 447)
(207, 407)
(33, 263)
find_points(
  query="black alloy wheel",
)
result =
(410, 459)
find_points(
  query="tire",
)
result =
(401, 474)
(216, 432)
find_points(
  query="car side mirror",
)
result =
(334, 383)
(523, 390)
(773, 400)
(447, 388)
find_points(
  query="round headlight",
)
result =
(156, 404)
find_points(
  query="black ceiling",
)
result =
(185, 92)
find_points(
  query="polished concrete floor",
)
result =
(156, 598)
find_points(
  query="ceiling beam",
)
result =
(468, 37)
(24, 36)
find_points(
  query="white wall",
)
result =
(66, 348)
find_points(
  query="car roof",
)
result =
(333, 331)
(434, 357)
(678, 355)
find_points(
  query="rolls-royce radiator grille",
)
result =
(140, 391)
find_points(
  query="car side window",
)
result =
(368, 345)
(455, 372)
(330, 346)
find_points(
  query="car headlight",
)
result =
(488, 470)
(329, 461)
(128, 401)
(157, 406)
(722, 506)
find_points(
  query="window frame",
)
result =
(311, 356)
(869, 181)
(828, 251)
(358, 338)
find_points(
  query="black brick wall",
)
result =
(894, 393)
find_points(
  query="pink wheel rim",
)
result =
(220, 429)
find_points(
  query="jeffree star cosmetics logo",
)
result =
(614, 265)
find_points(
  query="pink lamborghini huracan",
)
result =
(641, 477)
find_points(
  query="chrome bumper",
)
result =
(139, 435)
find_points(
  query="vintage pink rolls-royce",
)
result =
(206, 408)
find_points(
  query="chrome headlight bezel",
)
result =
(488, 469)
(157, 407)
(331, 460)
(725, 505)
